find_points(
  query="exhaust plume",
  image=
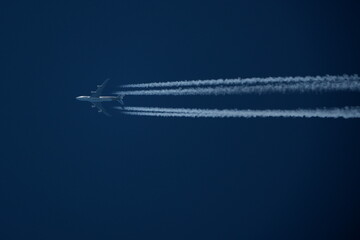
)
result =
(282, 87)
(243, 81)
(345, 112)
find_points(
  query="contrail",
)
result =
(346, 112)
(283, 87)
(243, 81)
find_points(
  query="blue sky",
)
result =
(69, 172)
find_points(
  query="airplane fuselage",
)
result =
(97, 99)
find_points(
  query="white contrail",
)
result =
(322, 86)
(243, 81)
(346, 112)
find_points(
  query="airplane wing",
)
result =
(101, 109)
(99, 89)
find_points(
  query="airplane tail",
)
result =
(120, 99)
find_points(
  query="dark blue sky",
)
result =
(67, 172)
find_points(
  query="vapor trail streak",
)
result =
(244, 81)
(346, 112)
(322, 86)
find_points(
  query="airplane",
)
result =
(96, 99)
